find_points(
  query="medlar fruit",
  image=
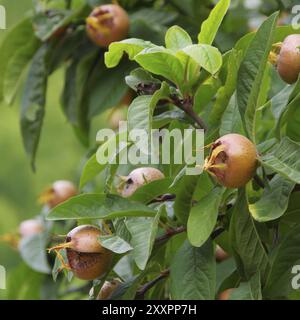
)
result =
(137, 178)
(108, 288)
(232, 161)
(288, 60)
(30, 227)
(106, 24)
(59, 192)
(87, 259)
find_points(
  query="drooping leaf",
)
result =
(130, 46)
(203, 217)
(99, 206)
(33, 103)
(274, 200)
(138, 76)
(193, 273)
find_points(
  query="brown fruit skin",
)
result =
(117, 26)
(139, 177)
(240, 157)
(62, 190)
(30, 227)
(220, 254)
(108, 288)
(84, 239)
(225, 295)
(89, 266)
(288, 62)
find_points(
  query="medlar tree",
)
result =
(156, 233)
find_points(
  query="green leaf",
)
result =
(90, 170)
(99, 206)
(184, 196)
(115, 244)
(250, 290)
(107, 88)
(251, 73)
(206, 56)
(130, 46)
(33, 103)
(163, 62)
(284, 158)
(210, 26)
(225, 93)
(33, 252)
(203, 217)
(152, 190)
(285, 257)
(143, 232)
(15, 67)
(138, 76)
(274, 200)
(16, 38)
(193, 273)
(246, 244)
(231, 120)
(140, 112)
(177, 38)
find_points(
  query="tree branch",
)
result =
(170, 233)
(141, 292)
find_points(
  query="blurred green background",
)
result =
(58, 156)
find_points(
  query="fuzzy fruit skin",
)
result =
(139, 177)
(240, 157)
(84, 239)
(288, 63)
(62, 190)
(108, 288)
(117, 26)
(30, 227)
(89, 266)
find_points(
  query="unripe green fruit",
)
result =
(106, 24)
(108, 288)
(288, 61)
(30, 227)
(233, 160)
(137, 178)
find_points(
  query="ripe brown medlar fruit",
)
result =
(232, 160)
(87, 259)
(30, 227)
(59, 192)
(106, 24)
(220, 254)
(288, 60)
(137, 178)
(108, 288)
